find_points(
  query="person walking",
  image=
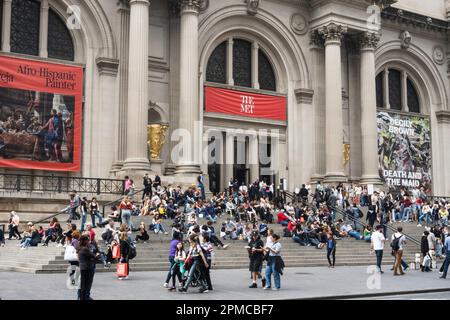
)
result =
(75, 202)
(331, 249)
(147, 187)
(425, 248)
(87, 261)
(256, 255)
(197, 257)
(447, 259)
(271, 268)
(125, 208)
(377, 245)
(177, 238)
(124, 249)
(93, 207)
(14, 221)
(398, 245)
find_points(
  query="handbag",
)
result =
(122, 269)
(116, 252)
(70, 254)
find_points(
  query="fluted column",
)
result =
(253, 158)
(230, 80)
(332, 34)
(6, 26)
(121, 128)
(255, 64)
(229, 157)
(137, 117)
(43, 35)
(369, 133)
(189, 87)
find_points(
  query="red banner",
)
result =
(40, 115)
(245, 104)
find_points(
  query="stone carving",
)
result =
(405, 37)
(204, 4)
(252, 6)
(369, 40)
(156, 137)
(438, 55)
(299, 24)
(316, 39)
(333, 32)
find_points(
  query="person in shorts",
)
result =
(256, 254)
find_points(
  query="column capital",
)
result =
(190, 6)
(304, 95)
(123, 5)
(44, 5)
(332, 32)
(133, 2)
(369, 40)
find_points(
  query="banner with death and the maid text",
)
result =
(404, 150)
(40, 115)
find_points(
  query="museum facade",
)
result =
(306, 90)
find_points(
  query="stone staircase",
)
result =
(152, 256)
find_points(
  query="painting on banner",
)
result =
(404, 150)
(40, 115)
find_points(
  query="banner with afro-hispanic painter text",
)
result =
(40, 115)
(404, 150)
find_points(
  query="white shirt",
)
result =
(378, 240)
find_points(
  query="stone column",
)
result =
(43, 34)
(253, 157)
(121, 128)
(137, 117)
(229, 157)
(369, 133)
(189, 88)
(255, 64)
(230, 80)
(6, 26)
(332, 34)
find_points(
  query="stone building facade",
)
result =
(335, 63)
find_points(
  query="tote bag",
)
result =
(122, 269)
(70, 254)
(116, 252)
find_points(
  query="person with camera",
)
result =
(274, 263)
(255, 250)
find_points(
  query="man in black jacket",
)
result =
(147, 187)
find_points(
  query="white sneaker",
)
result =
(126, 278)
(419, 225)
(266, 288)
(23, 248)
(166, 285)
(165, 233)
(225, 246)
(156, 231)
(120, 278)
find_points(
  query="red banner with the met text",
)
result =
(240, 103)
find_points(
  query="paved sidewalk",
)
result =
(228, 284)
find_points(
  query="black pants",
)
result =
(379, 254)
(207, 274)
(331, 251)
(2, 237)
(196, 267)
(13, 231)
(176, 273)
(147, 192)
(142, 237)
(216, 241)
(87, 278)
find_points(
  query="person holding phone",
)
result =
(256, 254)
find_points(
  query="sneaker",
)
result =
(120, 278)
(225, 246)
(203, 290)
(275, 289)
(166, 233)
(419, 225)
(442, 277)
(183, 289)
(172, 289)
(253, 285)
(266, 288)
(126, 278)
(166, 285)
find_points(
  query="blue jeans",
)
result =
(126, 218)
(98, 215)
(159, 227)
(446, 263)
(172, 263)
(74, 214)
(406, 213)
(354, 234)
(270, 268)
(26, 243)
(83, 221)
(425, 217)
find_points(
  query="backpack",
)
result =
(395, 245)
(132, 253)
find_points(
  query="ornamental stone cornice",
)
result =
(107, 66)
(304, 96)
(369, 40)
(316, 40)
(333, 32)
(443, 117)
(190, 5)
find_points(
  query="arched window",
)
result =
(216, 71)
(60, 44)
(242, 63)
(25, 16)
(401, 93)
(26, 33)
(243, 54)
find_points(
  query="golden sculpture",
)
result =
(346, 152)
(156, 137)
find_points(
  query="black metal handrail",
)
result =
(112, 203)
(343, 214)
(24, 182)
(65, 210)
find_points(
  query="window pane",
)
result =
(395, 89)
(60, 44)
(242, 63)
(380, 89)
(265, 73)
(216, 71)
(413, 98)
(25, 17)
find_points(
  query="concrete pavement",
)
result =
(297, 283)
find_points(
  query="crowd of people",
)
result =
(318, 219)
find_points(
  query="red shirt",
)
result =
(281, 217)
